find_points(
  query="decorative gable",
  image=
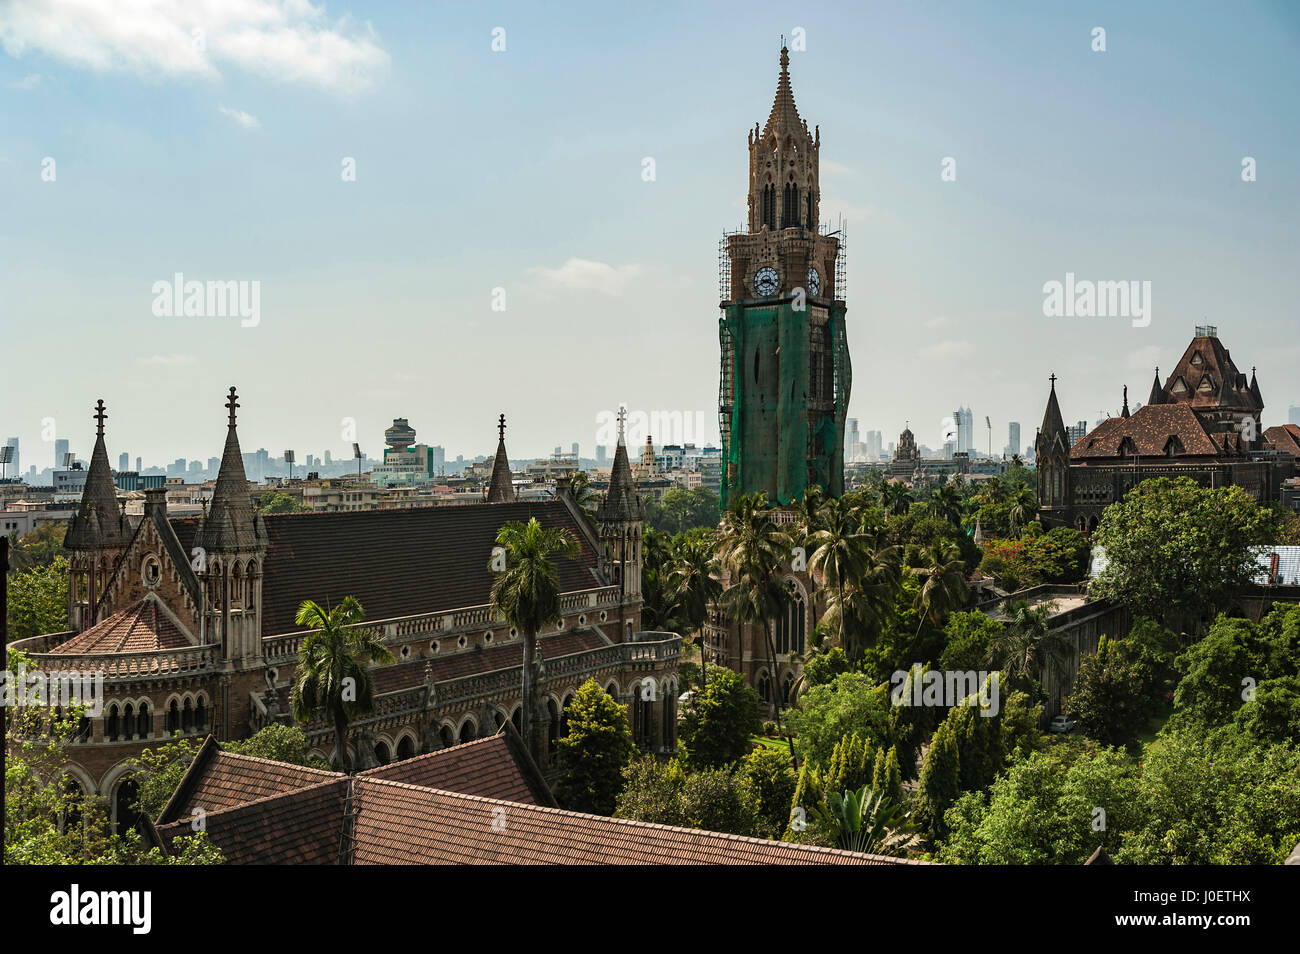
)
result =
(148, 567)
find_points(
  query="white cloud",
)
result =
(834, 168)
(290, 41)
(247, 120)
(947, 350)
(30, 81)
(167, 360)
(579, 274)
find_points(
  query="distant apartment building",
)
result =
(1013, 438)
(61, 452)
(1076, 432)
(1293, 414)
(14, 467)
(851, 438)
(965, 430)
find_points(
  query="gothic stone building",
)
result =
(1204, 422)
(191, 621)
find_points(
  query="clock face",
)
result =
(814, 282)
(766, 281)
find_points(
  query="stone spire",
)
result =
(1053, 423)
(1157, 391)
(621, 501)
(784, 117)
(229, 522)
(500, 488)
(1254, 390)
(98, 521)
(1124, 412)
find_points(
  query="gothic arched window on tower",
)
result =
(790, 206)
(769, 206)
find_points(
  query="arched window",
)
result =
(143, 725)
(517, 718)
(467, 731)
(382, 755)
(128, 722)
(670, 720)
(564, 716)
(769, 206)
(173, 724)
(125, 813)
(405, 748)
(786, 685)
(553, 726)
(447, 735)
(200, 714)
(187, 717)
(765, 686)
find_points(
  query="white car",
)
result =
(1061, 724)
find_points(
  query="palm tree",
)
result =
(527, 594)
(837, 555)
(1020, 507)
(753, 549)
(1026, 644)
(693, 583)
(583, 494)
(333, 672)
(946, 503)
(895, 498)
(866, 604)
(866, 821)
(943, 587)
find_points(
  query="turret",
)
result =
(97, 535)
(619, 521)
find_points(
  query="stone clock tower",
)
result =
(785, 371)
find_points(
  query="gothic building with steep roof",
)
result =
(192, 621)
(1205, 421)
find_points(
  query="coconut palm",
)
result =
(866, 821)
(837, 552)
(583, 494)
(946, 503)
(692, 580)
(858, 612)
(753, 550)
(1020, 508)
(527, 594)
(943, 585)
(895, 498)
(333, 669)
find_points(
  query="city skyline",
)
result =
(946, 276)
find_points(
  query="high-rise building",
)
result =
(850, 437)
(875, 448)
(1293, 414)
(124, 461)
(575, 448)
(784, 369)
(60, 452)
(1077, 431)
(965, 429)
(1013, 438)
(13, 468)
(139, 464)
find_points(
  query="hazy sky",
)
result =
(209, 139)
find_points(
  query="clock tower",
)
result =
(785, 372)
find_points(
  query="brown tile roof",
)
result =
(299, 827)
(1150, 428)
(396, 562)
(1285, 437)
(407, 675)
(1224, 385)
(407, 824)
(144, 626)
(227, 780)
(491, 767)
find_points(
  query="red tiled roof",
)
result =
(1285, 437)
(299, 827)
(1149, 428)
(407, 824)
(407, 675)
(486, 767)
(144, 626)
(227, 780)
(396, 562)
(1225, 386)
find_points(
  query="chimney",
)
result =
(155, 502)
(1273, 576)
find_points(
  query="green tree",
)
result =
(940, 782)
(943, 585)
(721, 799)
(526, 594)
(692, 578)
(717, 726)
(1026, 644)
(851, 764)
(774, 782)
(39, 546)
(1218, 672)
(968, 637)
(886, 776)
(593, 754)
(276, 501)
(652, 792)
(827, 713)
(1108, 702)
(1172, 545)
(38, 600)
(333, 673)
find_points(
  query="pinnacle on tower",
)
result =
(621, 501)
(1124, 412)
(98, 521)
(229, 523)
(1157, 392)
(500, 487)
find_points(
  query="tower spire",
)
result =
(501, 488)
(1157, 392)
(98, 521)
(1124, 412)
(229, 522)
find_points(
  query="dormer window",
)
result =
(1180, 387)
(1173, 446)
(1197, 360)
(1127, 448)
(1207, 385)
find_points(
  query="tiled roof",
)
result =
(396, 562)
(222, 780)
(1285, 437)
(1150, 428)
(491, 768)
(454, 665)
(1224, 385)
(144, 626)
(300, 827)
(407, 824)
